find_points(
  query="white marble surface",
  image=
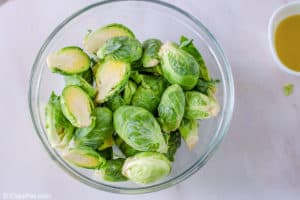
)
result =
(260, 157)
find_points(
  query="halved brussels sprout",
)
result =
(112, 170)
(77, 106)
(171, 108)
(188, 46)
(111, 77)
(98, 132)
(189, 132)
(149, 93)
(84, 157)
(146, 167)
(68, 60)
(115, 102)
(200, 106)
(150, 54)
(174, 142)
(108, 142)
(94, 40)
(138, 128)
(207, 87)
(129, 91)
(81, 82)
(59, 129)
(178, 66)
(121, 48)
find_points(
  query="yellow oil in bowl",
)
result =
(287, 42)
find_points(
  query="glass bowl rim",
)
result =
(193, 168)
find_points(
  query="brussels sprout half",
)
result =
(150, 55)
(189, 132)
(59, 129)
(94, 40)
(138, 128)
(98, 132)
(200, 106)
(121, 48)
(81, 82)
(178, 66)
(112, 170)
(146, 167)
(68, 60)
(111, 77)
(84, 157)
(171, 108)
(77, 106)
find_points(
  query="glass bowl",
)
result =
(147, 19)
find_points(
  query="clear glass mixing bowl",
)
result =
(147, 19)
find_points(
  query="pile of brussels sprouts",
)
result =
(126, 105)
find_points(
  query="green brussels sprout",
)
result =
(88, 75)
(129, 91)
(115, 102)
(112, 170)
(96, 39)
(171, 108)
(100, 130)
(150, 54)
(188, 46)
(149, 93)
(189, 132)
(121, 48)
(207, 87)
(84, 157)
(107, 153)
(178, 66)
(139, 129)
(200, 106)
(68, 61)
(108, 142)
(111, 77)
(59, 129)
(136, 77)
(81, 82)
(174, 142)
(77, 106)
(146, 167)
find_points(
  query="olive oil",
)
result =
(287, 42)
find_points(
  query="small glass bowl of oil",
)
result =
(284, 37)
